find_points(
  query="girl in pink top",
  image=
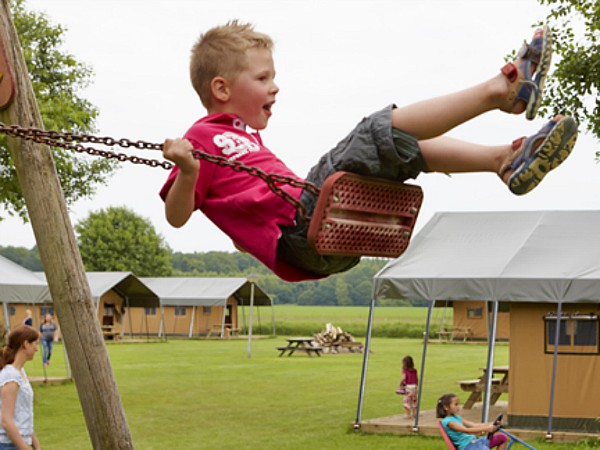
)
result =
(409, 383)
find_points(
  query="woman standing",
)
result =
(47, 328)
(16, 394)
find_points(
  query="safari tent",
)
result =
(470, 320)
(196, 306)
(546, 266)
(121, 299)
(120, 296)
(21, 289)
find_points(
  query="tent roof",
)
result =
(188, 291)
(531, 256)
(19, 285)
(126, 284)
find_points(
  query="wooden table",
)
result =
(228, 331)
(477, 386)
(303, 344)
(109, 332)
(464, 332)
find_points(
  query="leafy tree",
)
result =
(57, 79)
(117, 239)
(342, 294)
(575, 82)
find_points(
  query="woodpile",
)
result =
(335, 340)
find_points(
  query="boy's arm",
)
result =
(179, 203)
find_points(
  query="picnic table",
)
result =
(303, 344)
(228, 331)
(109, 332)
(477, 386)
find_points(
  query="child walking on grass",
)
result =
(233, 72)
(462, 432)
(408, 386)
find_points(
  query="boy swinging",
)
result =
(232, 71)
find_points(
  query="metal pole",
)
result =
(161, 323)
(128, 319)
(191, 331)
(244, 319)
(273, 318)
(425, 342)
(363, 376)
(485, 413)
(554, 366)
(6, 319)
(250, 320)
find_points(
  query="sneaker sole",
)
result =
(542, 71)
(554, 150)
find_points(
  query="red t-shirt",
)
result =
(240, 204)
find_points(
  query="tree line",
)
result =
(350, 288)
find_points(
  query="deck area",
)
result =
(398, 424)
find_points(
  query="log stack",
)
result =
(335, 340)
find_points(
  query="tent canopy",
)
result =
(19, 285)
(197, 291)
(532, 256)
(126, 284)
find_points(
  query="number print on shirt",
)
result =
(233, 145)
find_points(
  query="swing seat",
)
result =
(361, 216)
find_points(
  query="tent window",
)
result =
(150, 311)
(180, 311)
(586, 332)
(12, 311)
(578, 333)
(46, 310)
(206, 310)
(474, 313)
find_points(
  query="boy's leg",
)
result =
(521, 165)
(509, 91)
(448, 155)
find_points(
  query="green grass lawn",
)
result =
(206, 394)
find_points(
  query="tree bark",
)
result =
(91, 368)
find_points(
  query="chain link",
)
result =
(73, 142)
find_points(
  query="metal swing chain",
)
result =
(67, 141)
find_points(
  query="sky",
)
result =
(336, 62)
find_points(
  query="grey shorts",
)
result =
(372, 149)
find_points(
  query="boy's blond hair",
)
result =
(221, 51)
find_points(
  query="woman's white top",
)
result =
(23, 415)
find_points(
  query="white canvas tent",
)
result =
(135, 293)
(200, 291)
(534, 256)
(19, 285)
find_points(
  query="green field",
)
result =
(387, 322)
(207, 394)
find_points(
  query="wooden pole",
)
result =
(100, 401)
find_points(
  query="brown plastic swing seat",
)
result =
(361, 216)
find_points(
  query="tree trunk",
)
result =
(100, 401)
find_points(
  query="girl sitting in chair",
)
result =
(462, 432)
